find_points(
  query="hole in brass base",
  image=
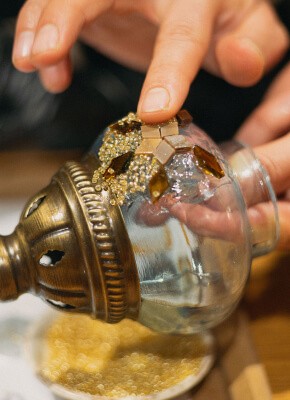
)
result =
(50, 258)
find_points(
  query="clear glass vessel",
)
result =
(195, 228)
(156, 223)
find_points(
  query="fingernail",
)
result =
(46, 39)
(23, 45)
(155, 99)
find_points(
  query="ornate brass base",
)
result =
(72, 249)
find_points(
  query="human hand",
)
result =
(266, 128)
(237, 40)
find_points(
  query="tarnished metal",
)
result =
(71, 248)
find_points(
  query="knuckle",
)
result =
(180, 30)
(184, 32)
(31, 6)
(162, 68)
(30, 13)
(89, 9)
(165, 71)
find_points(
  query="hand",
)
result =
(237, 40)
(267, 129)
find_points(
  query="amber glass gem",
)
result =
(208, 162)
(118, 165)
(125, 126)
(158, 184)
(183, 118)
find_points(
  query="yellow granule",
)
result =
(117, 360)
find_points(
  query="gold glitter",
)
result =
(96, 177)
(125, 125)
(115, 155)
(125, 359)
(131, 154)
(208, 162)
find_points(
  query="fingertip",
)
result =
(155, 118)
(56, 78)
(48, 49)
(23, 65)
(21, 51)
(241, 61)
(157, 104)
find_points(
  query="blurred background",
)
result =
(101, 92)
(39, 131)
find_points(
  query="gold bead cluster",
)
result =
(122, 171)
(119, 360)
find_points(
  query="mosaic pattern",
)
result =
(134, 157)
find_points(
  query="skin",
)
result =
(238, 40)
(267, 130)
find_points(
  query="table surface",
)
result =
(267, 299)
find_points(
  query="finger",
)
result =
(110, 37)
(257, 44)
(272, 118)
(180, 48)
(58, 27)
(262, 215)
(284, 218)
(281, 83)
(207, 222)
(27, 22)
(198, 218)
(274, 156)
(56, 78)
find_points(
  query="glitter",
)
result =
(125, 359)
(124, 126)
(131, 156)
